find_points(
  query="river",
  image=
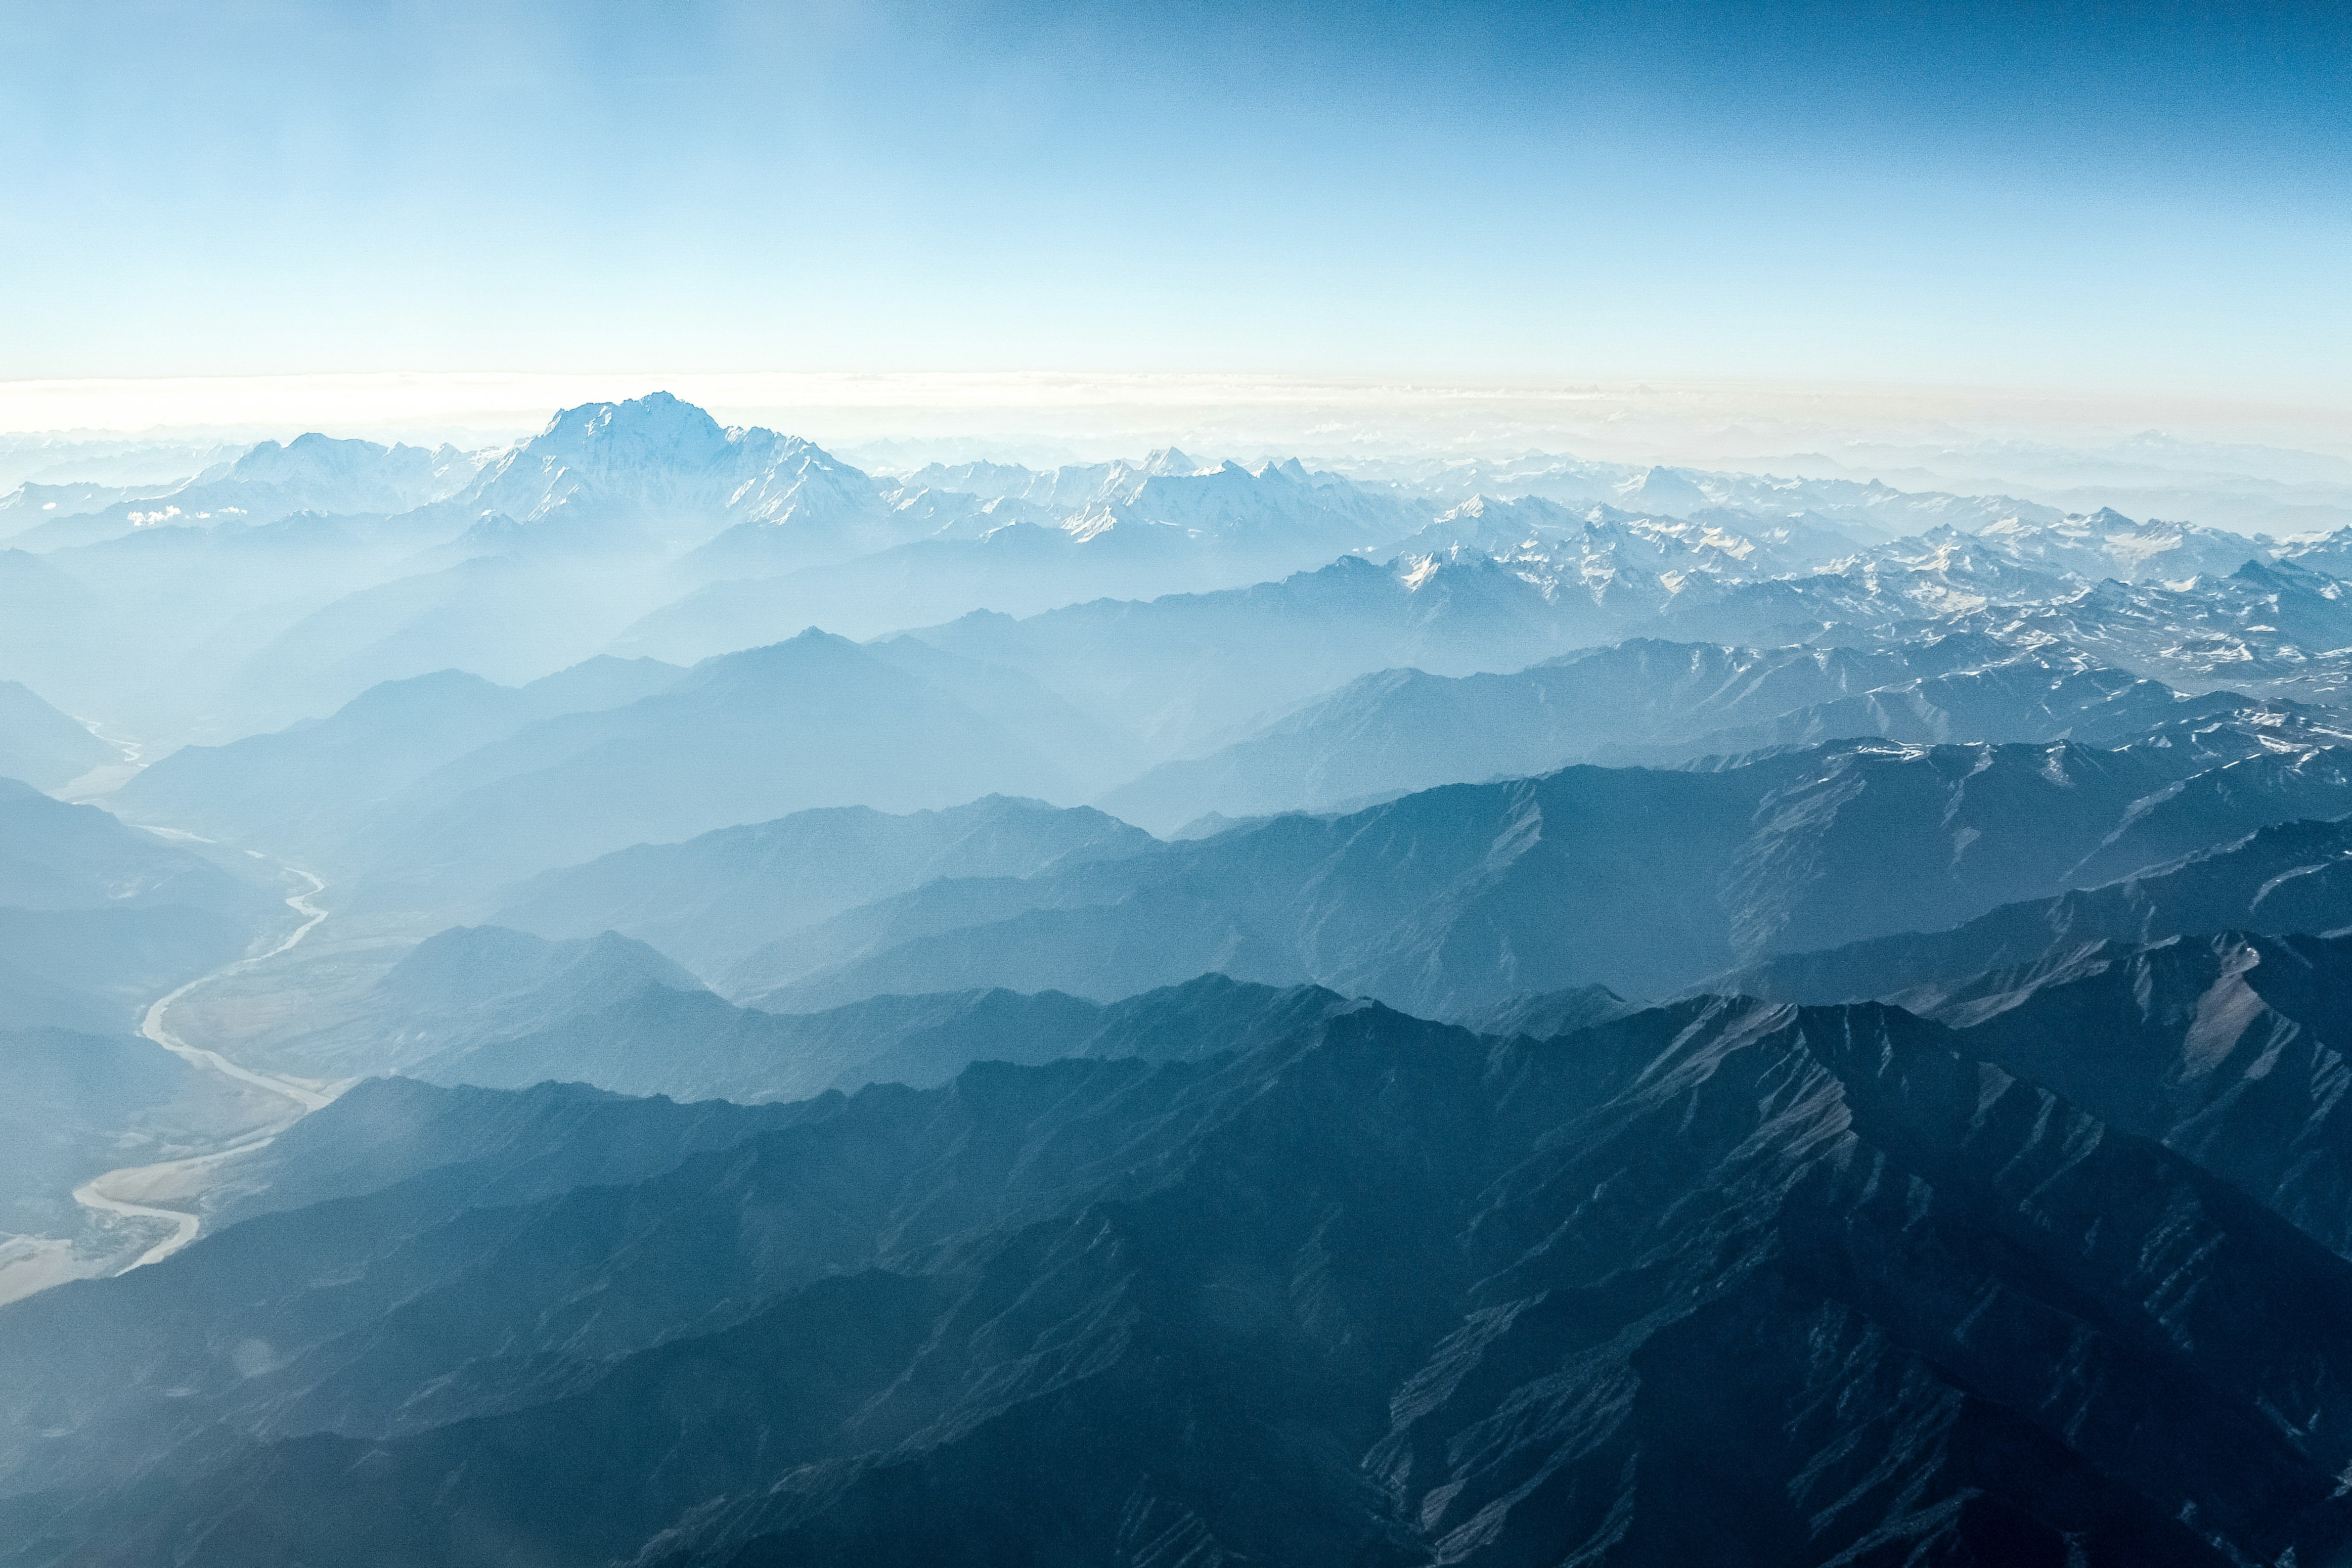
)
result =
(121, 1192)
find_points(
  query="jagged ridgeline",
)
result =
(665, 994)
(1820, 1281)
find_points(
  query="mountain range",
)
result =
(301, 787)
(1644, 880)
(447, 786)
(2289, 876)
(1359, 1292)
(816, 721)
(294, 578)
(313, 472)
(500, 1010)
(1398, 1006)
(43, 746)
(1645, 700)
(709, 901)
(98, 919)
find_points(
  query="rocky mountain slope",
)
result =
(1645, 880)
(2291, 876)
(1648, 701)
(1364, 1293)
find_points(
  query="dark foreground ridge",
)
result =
(1723, 1281)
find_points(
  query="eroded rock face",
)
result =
(1723, 1282)
(2285, 878)
(2229, 1048)
(1900, 1306)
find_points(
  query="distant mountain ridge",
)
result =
(497, 783)
(645, 527)
(709, 901)
(1655, 702)
(746, 737)
(1453, 899)
(300, 787)
(656, 1039)
(43, 746)
(2289, 876)
(312, 473)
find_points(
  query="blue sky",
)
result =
(2142, 197)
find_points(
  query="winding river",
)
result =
(118, 1192)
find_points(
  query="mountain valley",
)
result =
(651, 995)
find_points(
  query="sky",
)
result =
(2139, 201)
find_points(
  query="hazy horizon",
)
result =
(1088, 416)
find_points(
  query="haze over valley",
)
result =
(471, 881)
(1495, 786)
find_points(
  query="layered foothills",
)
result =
(651, 996)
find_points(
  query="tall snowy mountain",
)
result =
(752, 503)
(1275, 504)
(667, 468)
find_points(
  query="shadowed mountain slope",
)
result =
(2287, 877)
(1454, 900)
(1814, 1286)
(505, 1009)
(1649, 701)
(692, 1045)
(2229, 1048)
